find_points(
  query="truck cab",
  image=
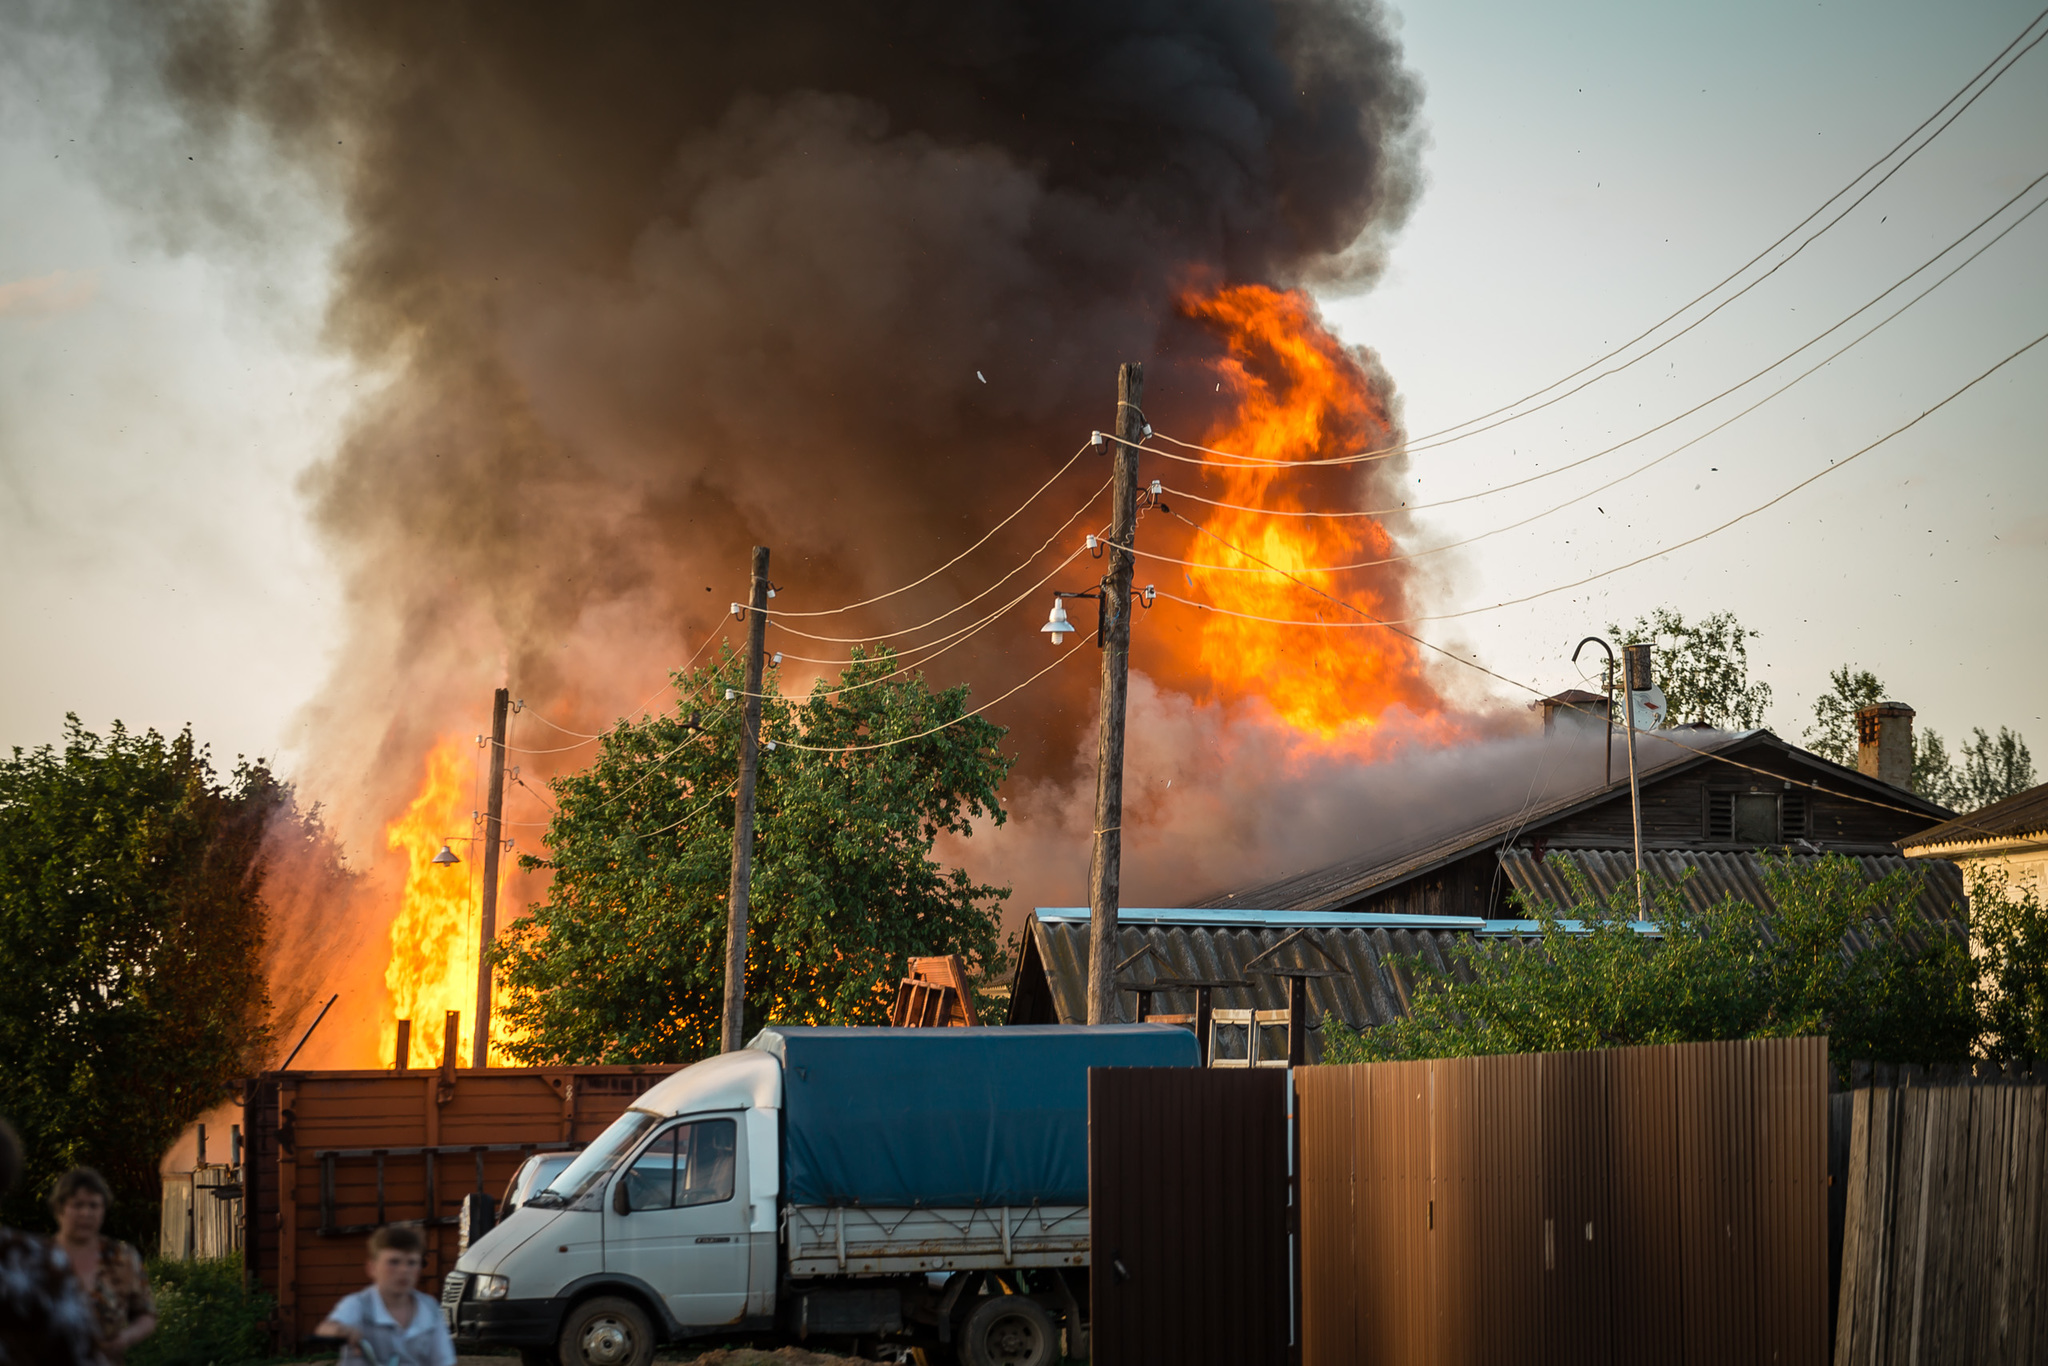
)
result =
(662, 1230)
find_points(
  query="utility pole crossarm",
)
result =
(1105, 872)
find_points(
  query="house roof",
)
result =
(1666, 754)
(1202, 944)
(2021, 817)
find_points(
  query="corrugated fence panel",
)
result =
(1639, 1205)
(1945, 1235)
(1187, 1190)
(1329, 1230)
(1574, 1164)
(1649, 1302)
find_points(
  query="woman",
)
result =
(44, 1319)
(110, 1271)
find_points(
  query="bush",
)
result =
(2009, 931)
(1903, 993)
(204, 1316)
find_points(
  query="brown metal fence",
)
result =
(1945, 1244)
(1187, 1196)
(331, 1155)
(1634, 1205)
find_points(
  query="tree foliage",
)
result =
(1989, 768)
(2009, 930)
(625, 960)
(1840, 954)
(131, 924)
(1833, 732)
(1702, 667)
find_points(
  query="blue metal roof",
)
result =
(1364, 920)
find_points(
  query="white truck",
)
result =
(866, 1189)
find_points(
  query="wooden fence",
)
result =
(1945, 1230)
(1640, 1204)
(202, 1214)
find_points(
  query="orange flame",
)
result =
(1301, 394)
(432, 969)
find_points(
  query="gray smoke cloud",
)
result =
(637, 285)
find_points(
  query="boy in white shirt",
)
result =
(389, 1322)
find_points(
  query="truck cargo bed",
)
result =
(842, 1240)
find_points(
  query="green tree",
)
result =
(131, 924)
(2009, 931)
(1992, 769)
(1934, 775)
(1702, 667)
(625, 960)
(1903, 994)
(1833, 732)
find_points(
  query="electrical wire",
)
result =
(1430, 440)
(960, 637)
(1021, 567)
(1647, 465)
(868, 602)
(906, 739)
(1532, 689)
(1832, 467)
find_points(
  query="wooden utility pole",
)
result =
(734, 1023)
(1105, 872)
(494, 824)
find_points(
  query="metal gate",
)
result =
(1188, 1209)
(1597, 1209)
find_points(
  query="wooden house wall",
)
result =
(1675, 810)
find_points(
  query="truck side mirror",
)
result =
(620, 1204)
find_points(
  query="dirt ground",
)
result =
(723, 1356)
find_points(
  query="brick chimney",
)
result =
(1884, 743)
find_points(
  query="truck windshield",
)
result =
(578, 1185)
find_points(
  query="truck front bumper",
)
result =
(508, 1323)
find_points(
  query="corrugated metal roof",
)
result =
(1373, 994)
(1338, 884)
(1205, 944)
(2016, 817)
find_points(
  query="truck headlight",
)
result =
(491, 1287)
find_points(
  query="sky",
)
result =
(1590, 168)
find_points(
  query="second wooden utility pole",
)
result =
(733, 1025)
(494, 824)
(1105, 872)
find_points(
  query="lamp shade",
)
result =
(446, 856)
(1057, 626)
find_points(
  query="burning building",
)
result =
(637, 286)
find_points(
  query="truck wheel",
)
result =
(1008, 1330)
(607, 1331)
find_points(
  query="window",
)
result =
(1792, 816)
(691, 1164)
(1755, 818)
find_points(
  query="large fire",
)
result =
(1298, 394)
(1301, 394)
(432, 969)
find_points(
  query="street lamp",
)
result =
(446, 856)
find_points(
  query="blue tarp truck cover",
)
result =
(948, 1117)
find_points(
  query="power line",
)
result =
(906, 739)
(1530, 688)
(884, 635)
(1666, 550)
(867, 602)
(1683, 446)
(1429, 440)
